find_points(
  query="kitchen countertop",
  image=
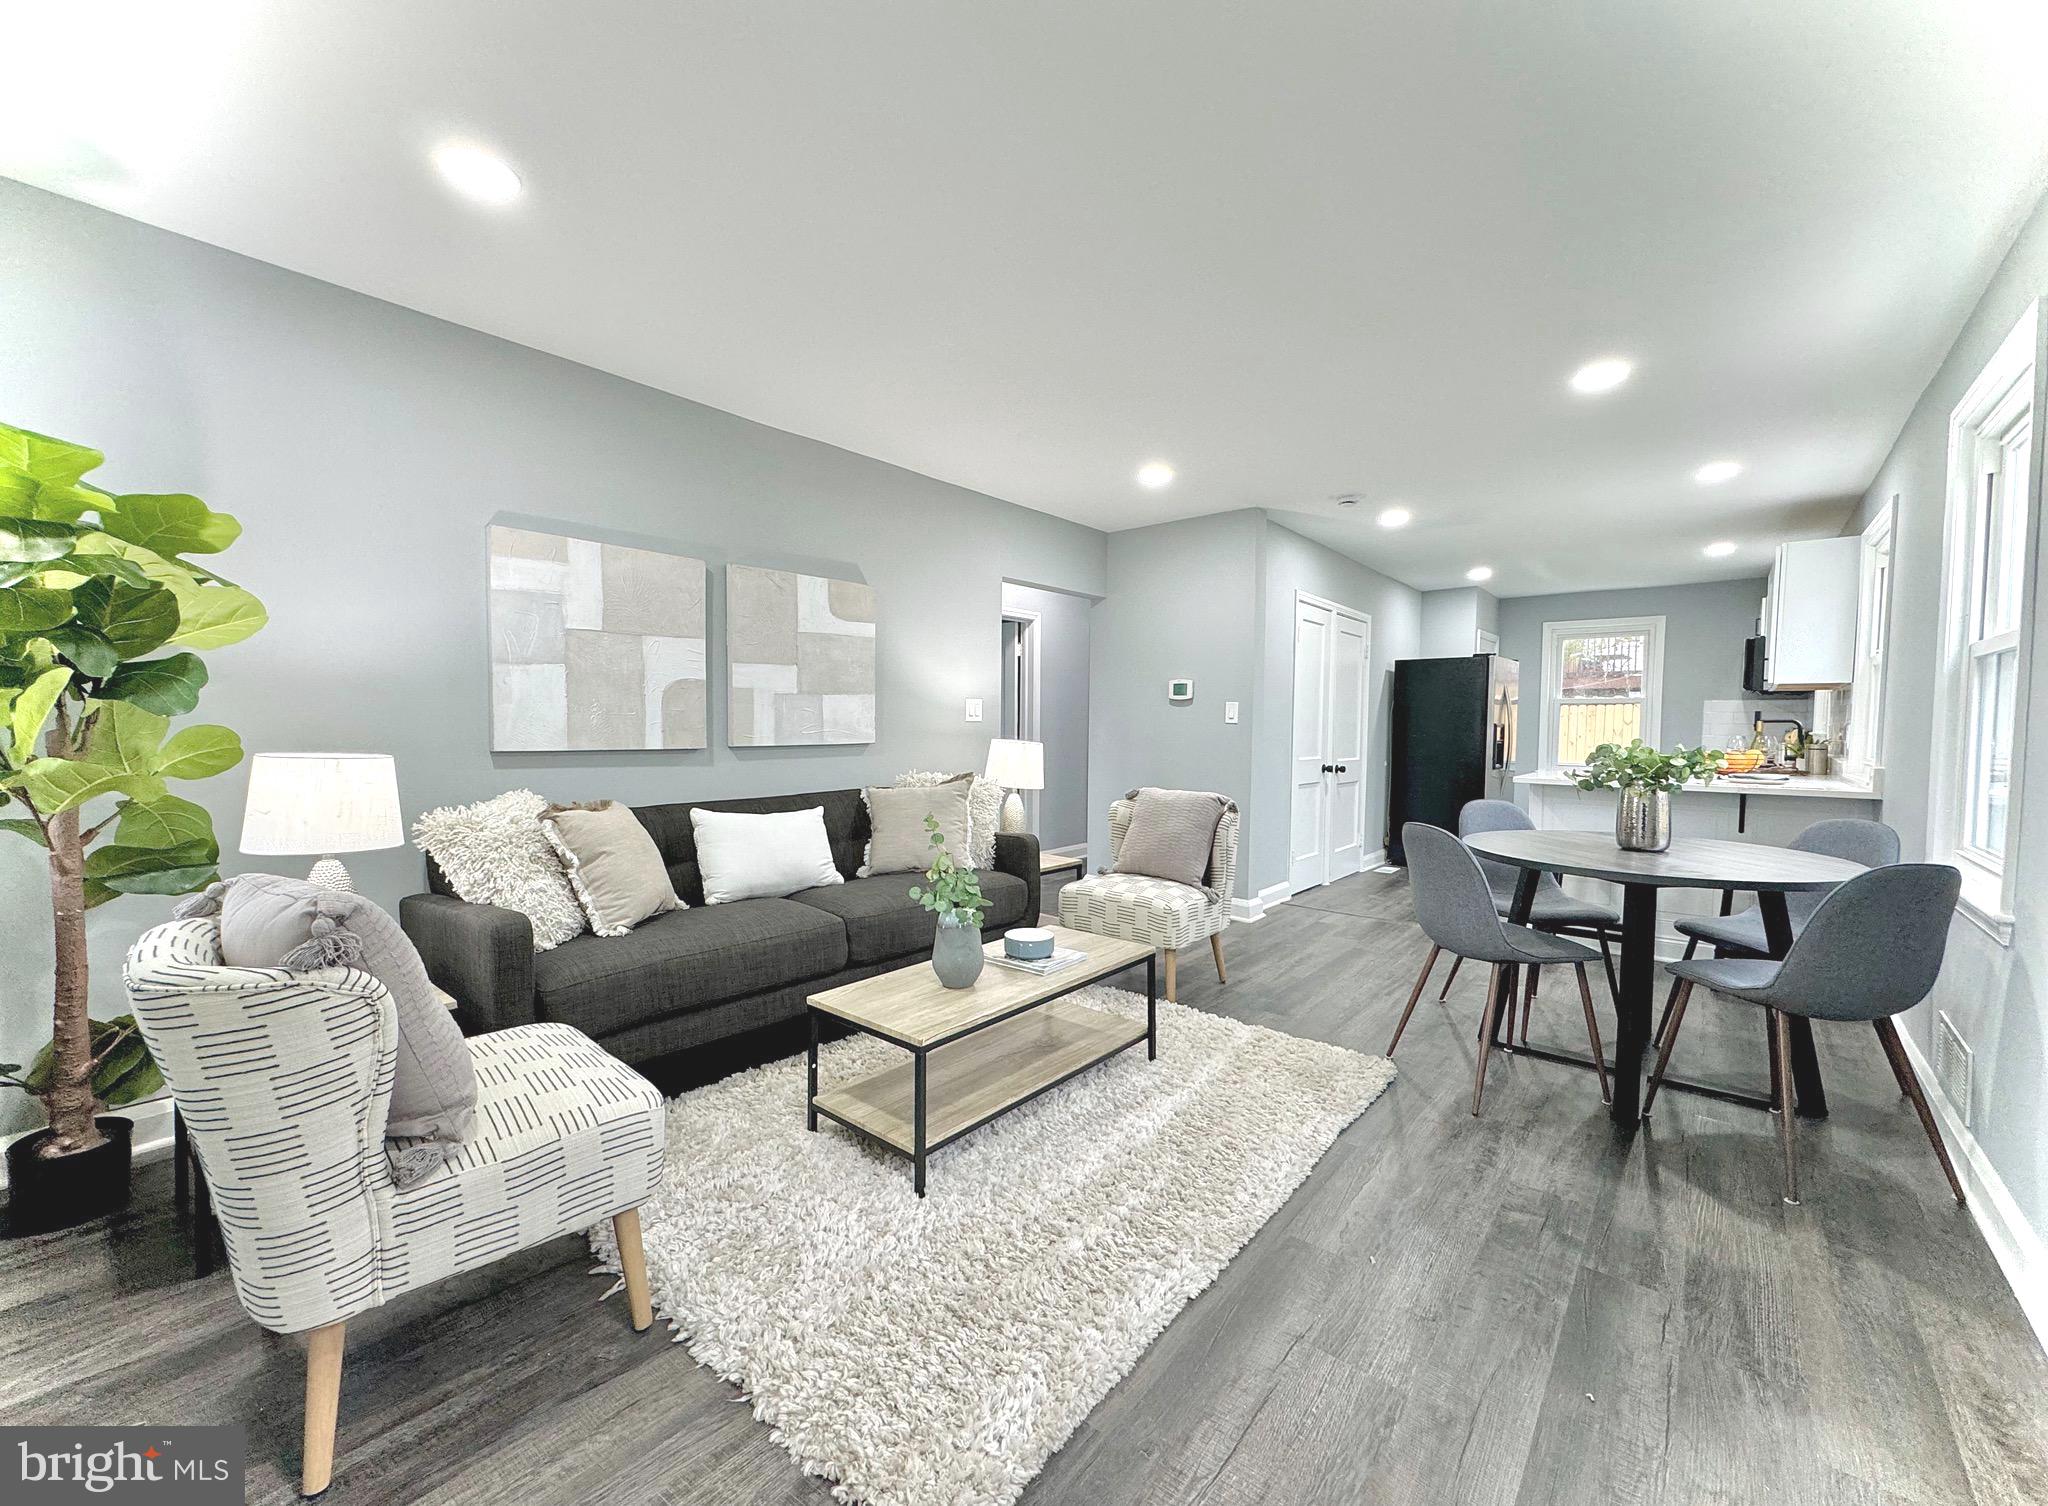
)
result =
(1800, 786)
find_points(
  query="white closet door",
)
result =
(1344, 832)
(1307, 851)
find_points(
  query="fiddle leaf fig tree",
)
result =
(101, 612)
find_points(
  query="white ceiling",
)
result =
(1296, 249)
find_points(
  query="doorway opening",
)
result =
(1045, 700)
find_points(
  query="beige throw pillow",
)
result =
(898, 841)
(613, 865)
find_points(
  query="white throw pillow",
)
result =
(754, 855)
(494, 853)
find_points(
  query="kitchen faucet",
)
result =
(1756, 728)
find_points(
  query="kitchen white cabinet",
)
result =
(1810, 615)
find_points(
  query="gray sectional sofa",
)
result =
(710, 971)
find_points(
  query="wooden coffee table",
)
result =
(975, 1053)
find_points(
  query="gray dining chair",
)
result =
(1741, 932)
(1871, 950)
(1554, 911)
(1455, 908)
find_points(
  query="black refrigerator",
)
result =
(1453, 739)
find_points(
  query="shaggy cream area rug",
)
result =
(936, 1353)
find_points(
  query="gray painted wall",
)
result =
(1182, 600)
(364, 448)
(1452, 620)
(1291, 563)
(1996, 995)
(1704, 630)
(1063, 631)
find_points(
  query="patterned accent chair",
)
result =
(1169, 915)
(284, 1079)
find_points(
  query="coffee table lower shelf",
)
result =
(980, 1076)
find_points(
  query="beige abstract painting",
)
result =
(594, 646)
(800, 658)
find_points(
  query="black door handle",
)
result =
(1340, 768)
(1329, 768)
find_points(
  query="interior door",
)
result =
(1344, 813)
(1307, 852)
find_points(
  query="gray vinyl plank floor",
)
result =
(1522, 1308)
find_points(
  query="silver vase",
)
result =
(1642, 822)
(956, 953)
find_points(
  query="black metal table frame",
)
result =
(1632, 1007)
(921, 1051)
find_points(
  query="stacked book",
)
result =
(1062, 957)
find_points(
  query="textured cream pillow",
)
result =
(494, 853)
(898, 841)
(613, 865)
(984, 811)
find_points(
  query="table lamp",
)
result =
(1015, 765)
(301, 804)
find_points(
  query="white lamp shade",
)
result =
(305, 803)
(1016, 765)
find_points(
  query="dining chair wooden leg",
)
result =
(633, 1266)
(1667, 1037)
(1529, 1001)
(1902, 1074)
(1691, 946)
(1781, 1027)
(1172, 975)
(1445, 992)
(1216, 949)
(1414, 994)
(1771, 1049)
(1593, 1033)
(1493, 1004)
(1895, 1049)
(1613, 977)
(323, 1402)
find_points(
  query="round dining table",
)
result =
(1688, 863)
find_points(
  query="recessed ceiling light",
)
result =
(1720, 549)
(1394, 517)
(477, 173)
(1714, 472)
(1154, 474)
(1603, 375)
(1480, 572)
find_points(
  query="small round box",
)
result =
(1028, 943)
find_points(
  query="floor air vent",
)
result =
(1952, 1064)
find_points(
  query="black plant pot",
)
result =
(55, 1192)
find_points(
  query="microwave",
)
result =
(1753, 681)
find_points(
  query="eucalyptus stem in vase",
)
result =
(953, 894)
(1647, 780)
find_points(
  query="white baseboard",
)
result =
(1255, 906)
(2019, 1249)
(152, 1141)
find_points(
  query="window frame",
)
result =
(1998, 404)
(1554, 634)
(1877, 570)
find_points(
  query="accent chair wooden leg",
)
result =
(1216, 950)
(1667, 1037)
(1781, 1028)
(1493, 997)
(633, 1266)
(1529, 1000)
(1902, 1074)
(1445, 992)
(323, 1401)
(1172, 976)
(1593, 1033)
(1415, 993)
(1895, 1049)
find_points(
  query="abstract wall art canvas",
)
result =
(594, 646)
(800, 658)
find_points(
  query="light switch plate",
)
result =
(974, 708)
(1230, 712)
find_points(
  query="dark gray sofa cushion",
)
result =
(685, 959)
(884, 922)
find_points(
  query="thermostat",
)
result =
(1180, 692)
